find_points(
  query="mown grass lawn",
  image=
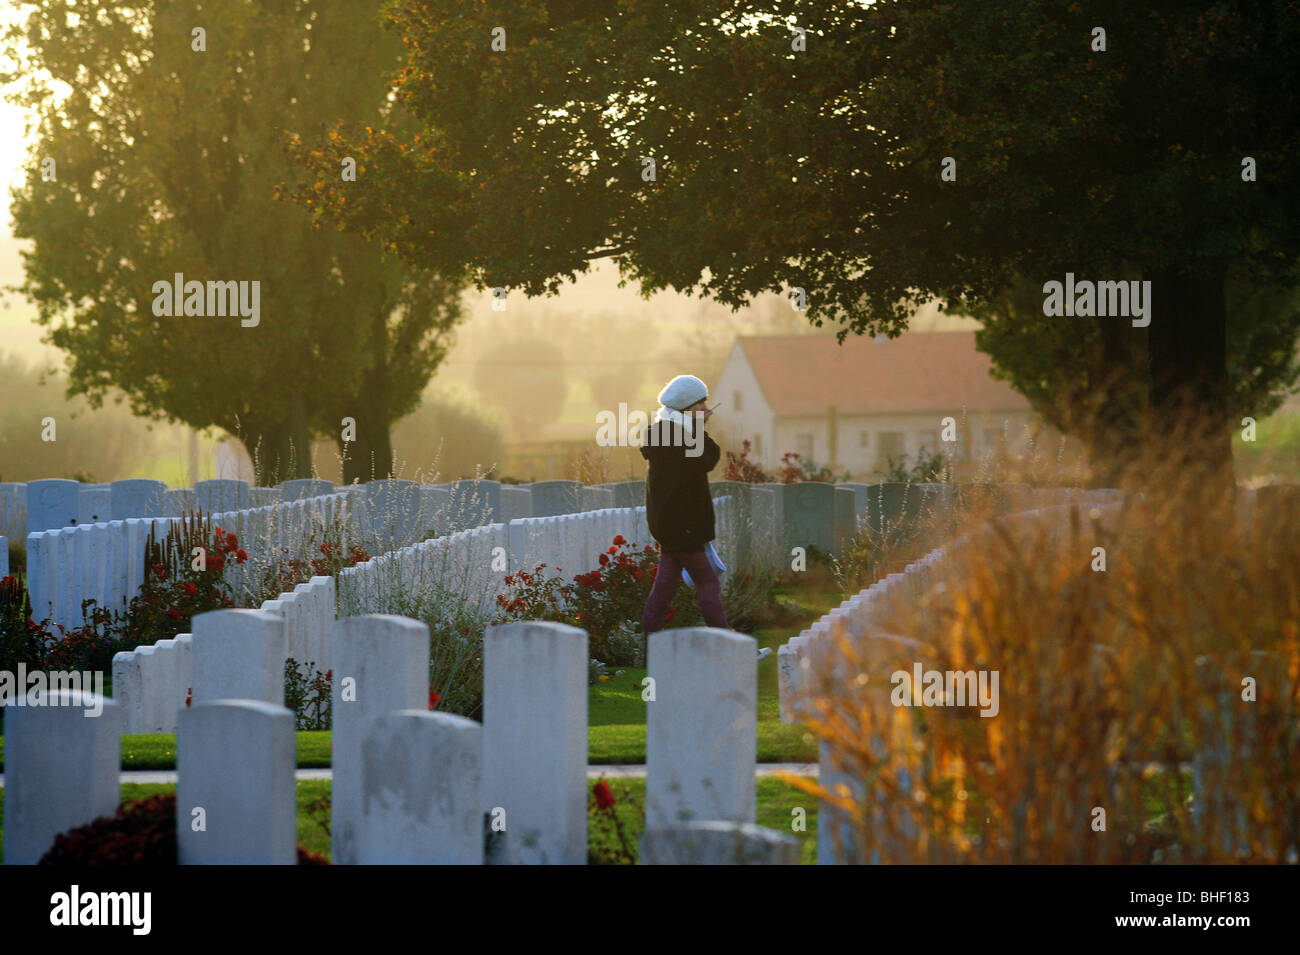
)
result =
(775, 800)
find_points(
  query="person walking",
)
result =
(678, 507)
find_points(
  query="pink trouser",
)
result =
(669, 577)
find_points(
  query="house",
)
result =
(856, 405)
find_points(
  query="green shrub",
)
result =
(307, 692)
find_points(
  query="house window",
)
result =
(889, 444)
(803, 444)
(737, 404)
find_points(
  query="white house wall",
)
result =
(749, 418)
(918, 430)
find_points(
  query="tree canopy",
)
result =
(801, 144)
(167, 127)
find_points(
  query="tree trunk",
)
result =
(370, 456)
(1116, 413)
(1189, 415)
(280, 452)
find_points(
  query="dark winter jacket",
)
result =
(678, 507)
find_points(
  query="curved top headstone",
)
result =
(52, 503)
(137, 497)
(221, 495)
(304, 487)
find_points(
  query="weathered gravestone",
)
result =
(810, 515)
(628, 493)
(476, 502)
(94, 504)
(552, 498)
(701, 726)
(300, 488)
(137, 497)
(13, 510)
(717, 843)
(535, 740)
(381, 664)
(221, 495)
(178, 501)
(421, 790)
(235, 772)
(62, 770)
(52, 503)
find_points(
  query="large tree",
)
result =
(1090, 378)
(813, 159)
(167, 124)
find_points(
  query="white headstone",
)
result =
(535, 739)
(701, 741)
(236, 802)
(178, 501)
(239, 655)
(166, 662)
(62, 770)
(421, 790)
(128, 690)
(381, 664)
(13, 510)
(51, 504)
(94, 503)
(138, 497)
(302, 488)
(718, 843)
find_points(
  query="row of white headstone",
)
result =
(810, 660)
(26, 508)
(859, 616)
(470, 564)
(152, 683)
(105, 562)
(409, 785)
(474, 563)
(57, 502)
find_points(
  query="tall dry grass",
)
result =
(1127, 731)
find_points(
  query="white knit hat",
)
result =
(682, 392)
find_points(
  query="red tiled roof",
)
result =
(917, 372)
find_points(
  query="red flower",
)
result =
(241, 556)
(604, 559)
(604, 795)
(189, 695)
(190, 589)
(329, 674)
(161, 571)
(173, 613)
(619, 540)
(232, 543)
(434, 698)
